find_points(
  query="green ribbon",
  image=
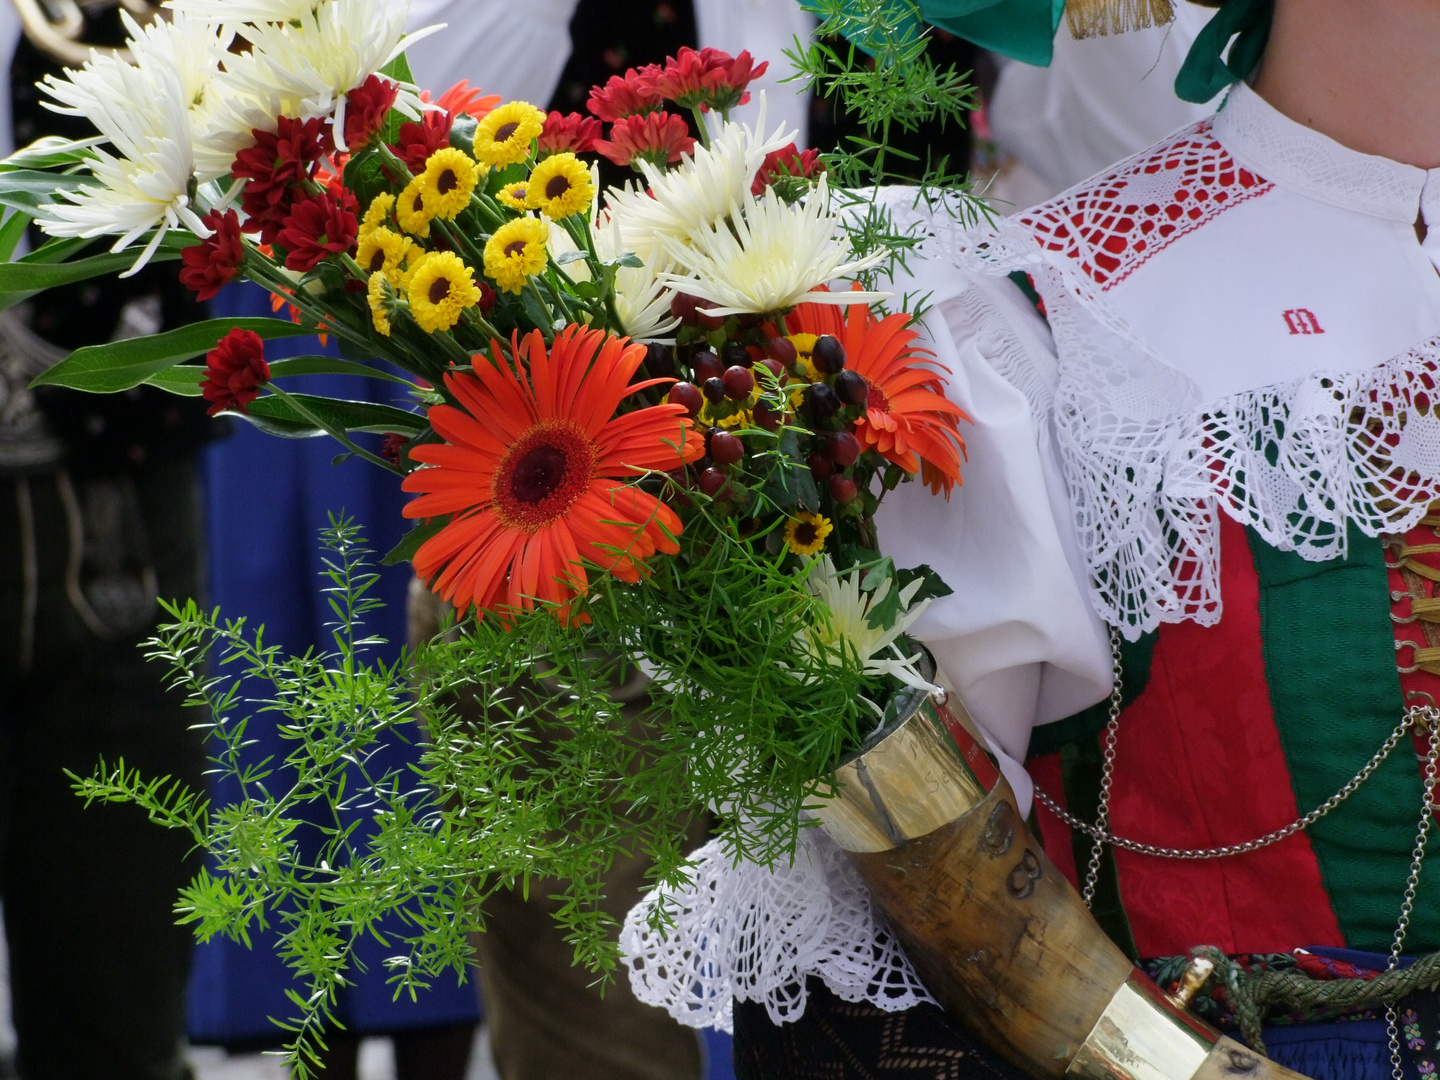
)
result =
(1021, 29)
(1204, 73)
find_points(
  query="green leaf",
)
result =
(275, 416)
(119, 365)
(404, 551)
(49, 151)
(11, 232)
(23, 278)
(329, 365)
(29, 189)
(399, 70)
(183, 379)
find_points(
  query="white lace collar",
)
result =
(1296, 157)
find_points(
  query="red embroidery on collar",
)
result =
(1302, 321)
(1118, 220)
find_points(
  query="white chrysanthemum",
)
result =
(767, 256)
(144, 111)
(245, 11)
(641, 299)
(701, 191)
(309, 65)
(847, 630)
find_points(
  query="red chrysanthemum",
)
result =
(658, 138)
(787, 161)
(365, 109)
(704, 78)
(318, 228)
(538, 472)
(275, 168)
(572, 132)
(215, 261)
(234, 372)
(907, 418)
(625, 95)
(417, 141)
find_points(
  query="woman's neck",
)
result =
(1364, 72)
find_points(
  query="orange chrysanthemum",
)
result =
(907, 417)
(538, 471)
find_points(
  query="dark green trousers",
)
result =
(97, 965)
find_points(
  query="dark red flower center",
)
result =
(520, 193)
(419, 204)
(547, 469)
(517, 248)
(447, 182)
(877, 399)
(377, 261)
(504, 131)
(439, 290)
(805, 534)
(557, 187)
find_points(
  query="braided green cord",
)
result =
(1253, 994)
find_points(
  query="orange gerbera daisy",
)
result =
(907, 416)
(538, 471)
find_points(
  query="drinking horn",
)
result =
(999, 936)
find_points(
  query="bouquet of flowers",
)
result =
(649, 429)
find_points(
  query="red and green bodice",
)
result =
(1235, 730)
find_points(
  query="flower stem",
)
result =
(338, 434)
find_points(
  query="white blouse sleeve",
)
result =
(515, 50)
(1018, 639)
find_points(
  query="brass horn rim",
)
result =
(57, 31)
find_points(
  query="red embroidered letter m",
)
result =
(1302, 321)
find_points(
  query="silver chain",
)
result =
(1426, 716)
(1412, 884)
(1107, 774)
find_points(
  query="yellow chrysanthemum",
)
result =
(513, 195)
(378, 213)
(804, 347)
(560, 186)
(448, 181)
(382, 251)
(412, 210)
(504, 136)
(515, 252)
(441, 287)
(381, 295)
(806, 532)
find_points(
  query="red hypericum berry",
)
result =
(787, 161)
(704, 321)
(712, 482)
(275, 168)
(782, 349)
(234, 372)
(851, 388)
(624, 95)
(714, 389)
(726, 449)
(660, 139)
(844, 448)
(821, 401)
(659, 361)
(766, 416)
(567, 131)
(736, 355)
(687, 395)
(365, 110)
(842, 489)
(215, 261)
(828, 355)
(820, 465)
(682, 306)
(318, 228)
(417, 141)
(706, 366)
(738, 382)
(775, 368)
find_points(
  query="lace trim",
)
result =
(747, 933)
(1112, 224)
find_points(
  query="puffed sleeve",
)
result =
(1017, 640)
